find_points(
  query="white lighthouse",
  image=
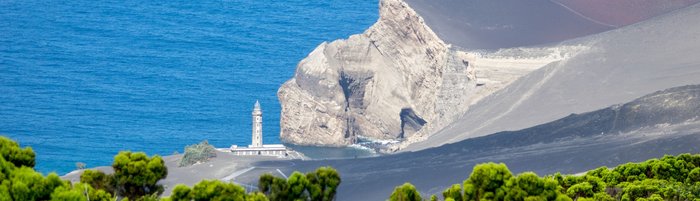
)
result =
(257, 126)
(256, 146)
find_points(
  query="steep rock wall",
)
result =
(393, 81)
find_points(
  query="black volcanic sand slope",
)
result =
(488, 24)
(663, 108)
(617, 67)
(665, 122)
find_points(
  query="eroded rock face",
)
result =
(395, 80)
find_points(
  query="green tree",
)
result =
(18, 180)
(274, 188)
(136, 175)
(265, 183)
(661, 170)
(298, 187)
(27, 184)
(78, 193)
(213, 190)
(603, 197)
(454, 192)
(433, 198)
(487, 181)
(654, 197)
(405, 192)
(256, 196)
(323, 183)
(181, 193)
(528, 186)
(641, 189)
(217, 190)
(98, 180)
(67, 194)
(12, 153)
(583, 189)
(149, 197)
(693, 176)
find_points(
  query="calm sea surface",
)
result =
(82, 80)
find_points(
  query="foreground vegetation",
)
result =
(318, 185)
(667, 178)
(136, 177)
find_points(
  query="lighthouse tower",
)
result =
(256, 147)
(257, 126)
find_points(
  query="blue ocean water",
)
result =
(81, 80)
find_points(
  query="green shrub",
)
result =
(136, 174)
(12, 153)
(319, 185)
(197, 153)
(405, 192)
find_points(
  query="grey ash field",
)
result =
(628, 93)
(648, 127)
(665, 122)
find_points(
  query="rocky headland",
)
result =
(396, 81)
(385, 83)
(407, 77)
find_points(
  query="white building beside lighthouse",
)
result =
(256, 146)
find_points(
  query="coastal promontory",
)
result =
(387, 83)
(424, 65)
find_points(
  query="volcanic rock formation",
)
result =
(386, 83)
(406, 78)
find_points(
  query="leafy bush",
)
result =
(323, 183)
(214, 190)
(405, 192)
(319, 185)
(77, 193)
(136, 175)
(197, 153)
(18, 180)
(12, 153)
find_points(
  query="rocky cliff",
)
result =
(390, 82)
(396, 81)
